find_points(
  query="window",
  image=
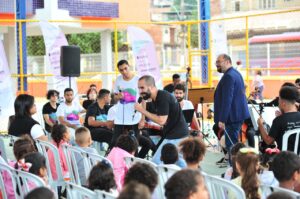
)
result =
(237, 6)
(266, 4)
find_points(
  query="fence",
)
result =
(269, 42)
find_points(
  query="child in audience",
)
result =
(84, 140)
(22, 147)
(169, 155)
(286, 167)
(186, 184)
(193, 150)
(126, 146)
(266, 175)
(280, 195)
(60, 135)
(134, 190)
(40, 193)
(102, 178)
(144, 174)
(247, 164)
(38, 165)
(231, 172)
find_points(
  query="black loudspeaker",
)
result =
(70, 61)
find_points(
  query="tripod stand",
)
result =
(202, 119)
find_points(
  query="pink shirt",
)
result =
(116, 156)
(63, 161)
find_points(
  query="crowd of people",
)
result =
(135, 110)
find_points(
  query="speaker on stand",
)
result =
(70, 62)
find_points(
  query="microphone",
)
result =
(139, 101)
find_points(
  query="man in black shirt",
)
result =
(96, 118)
(49, 110)
(288, 120)
(166, 112)
(170, 87)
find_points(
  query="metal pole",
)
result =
(247, 56)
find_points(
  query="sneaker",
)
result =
(223, 161)
(220, 161)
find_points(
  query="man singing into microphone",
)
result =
(165, 111)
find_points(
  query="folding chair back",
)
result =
(78, 192)
(164, 173)
(7, 172)
(43, 147)
(27, 182)
(132, 160)
(104, 195)
(267, 190)
(221, 188)
(285, 139)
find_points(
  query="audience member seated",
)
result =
(286, 166)
(23, 122)
(91, 98)
(40, 193)
(186, 184)
(134, 190)
(49, 110)
(280, 195)
(37, 167)
(275, 102)
(83, 140)
(96, 118)
(288, 120)
(179, 93)
(169, 155)
(193, 151)
(142, 173)
(60, 135)
(266, 175)
(247, 164)
(231, 172)
(126, 146)
(68, 112)
(23, 146)
(170, 87)
(102, 178)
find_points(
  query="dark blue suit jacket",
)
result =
(230, 103)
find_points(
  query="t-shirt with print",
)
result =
(166, 104)
(283, 123)
(49, 110)
(125, 114)
(98, 113)
(70, 112)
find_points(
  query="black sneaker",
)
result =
(220, 161)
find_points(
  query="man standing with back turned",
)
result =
(230, 103)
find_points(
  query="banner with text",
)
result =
(144, 53)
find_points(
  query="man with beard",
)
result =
(288, 120)
(179, 93)
(68, 112)
(230, 103)
(165, 111)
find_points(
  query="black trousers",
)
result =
(102, 135)
(144, 141)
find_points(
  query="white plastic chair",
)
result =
(132, 160)
(25, 180)
(164, 173)
(219, 188)
(286, 137)
(92, 159)
(4, 139)
(104, 195)
(78, 192)
(72, 154)
(4, 168)
(43, 147)
(267, 190)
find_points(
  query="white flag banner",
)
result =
(6, 90)
(54, 38)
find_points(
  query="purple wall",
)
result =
(76, 7)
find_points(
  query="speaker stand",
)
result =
(70, 82)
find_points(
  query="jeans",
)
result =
(156, 158)
(232, 130)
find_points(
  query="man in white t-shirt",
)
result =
(179, 92)
(126, 91)
(68, 112)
